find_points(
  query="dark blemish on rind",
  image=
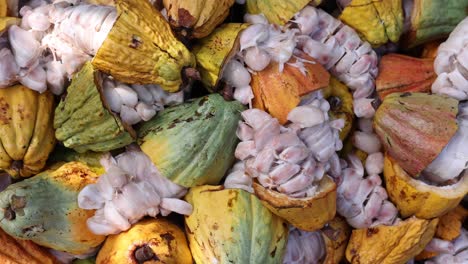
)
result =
(273, 253)
(17, 202)
(4, 107)
(406, 94)
(135, 42)
(371, 231)
(203, 101)
(144, 253)
(335, 103)
(33, 230)
(168, 237)
(185, 18)
(9, 214)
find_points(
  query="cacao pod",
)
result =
(377, 22)
(17, 251)
(415, 127)
(400, 73)
(232, 226)
(279, 92)
(432, 19)
(414, 197)
(44, 209)
(196, 18)
(83, 120)
(141, 48)
(309, 213)
(26, 130)
(150, 240)
(193, 143)
(395, 244)
(277, 11)
(214, 51)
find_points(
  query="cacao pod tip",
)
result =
(227, 92)
(191, 74)
(144, 253)
(9, 214)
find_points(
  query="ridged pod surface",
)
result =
(26, 130)
(378, 22)
(193, 143)
(400, 73)
(17, 251)
(196, 18)
(415, 127)
(395, 244)
(44, 209)
(83, 120)
(431, 19)
(232, 226)
(145, 50)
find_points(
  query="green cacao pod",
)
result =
(232, 226)
(415, 127)
(193, 143)
(44, 209)
(83, 120)
(432, 19)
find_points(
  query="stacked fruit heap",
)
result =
(256, 131)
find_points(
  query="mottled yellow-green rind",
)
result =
(378, 22)
(232, 226)
(278, 11)
(89, 158)
(193, 143)
(83, 121)
(215, 50)
(51, 216)
(434, 19)
(141, 48)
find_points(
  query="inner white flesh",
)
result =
(290, 159)
(451, 64)
(361, 199)
(52, 43)
(304, 247)
(453, 159)
(453, 252)
(131, 188)
(334, 45)
(135, 103)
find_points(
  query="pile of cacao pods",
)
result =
(247, 131)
